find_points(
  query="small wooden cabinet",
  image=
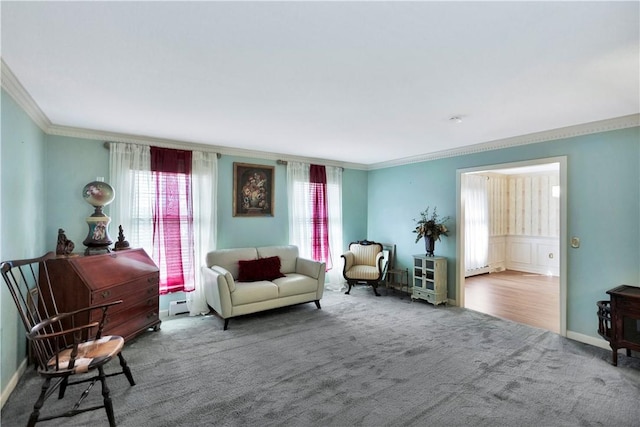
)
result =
(130, 276)
(430, 279)
(619, 319)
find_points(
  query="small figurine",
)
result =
(64, 246)
(121, 244)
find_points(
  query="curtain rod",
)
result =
(284, 162)
(218, 155)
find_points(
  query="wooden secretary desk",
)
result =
(130, 275)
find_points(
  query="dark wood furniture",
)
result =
(67, 348)
(619, 320)
(130, 276)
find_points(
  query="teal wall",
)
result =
(603, 209)
(71, 164)
(354, 205)
(238, 232)
(24, 218)
(43, 175)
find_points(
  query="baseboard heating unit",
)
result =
(178, 307)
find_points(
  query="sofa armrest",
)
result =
(309, 267)
(314, 269)
(217, 290)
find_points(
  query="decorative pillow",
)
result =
(259, 269)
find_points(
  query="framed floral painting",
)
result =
(252, 190)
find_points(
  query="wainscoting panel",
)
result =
(519, 252)
(533, 254)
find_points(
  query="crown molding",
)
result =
(81, 133)
(14, 88)
(606, 125)
(624, 122)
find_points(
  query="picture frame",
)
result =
(253, 187)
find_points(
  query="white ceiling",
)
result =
(362, 82)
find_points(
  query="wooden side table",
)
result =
(619, 320)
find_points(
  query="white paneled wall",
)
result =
(524, 224)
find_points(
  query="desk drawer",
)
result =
(134, 325)
(132, 313)
(148, 284)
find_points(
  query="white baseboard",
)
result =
(12, 383)
(477, 271)
(587, 339)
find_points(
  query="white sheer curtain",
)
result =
(130, 176)
(299, 207)
(204, 173)
(476, 221)
(300, 231)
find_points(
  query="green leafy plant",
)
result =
(431, 226)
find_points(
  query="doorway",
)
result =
(526, 285)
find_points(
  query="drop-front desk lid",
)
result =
(100, 271)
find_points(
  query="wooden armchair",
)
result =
(64, 345)
(364, 262)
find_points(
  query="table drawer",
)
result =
(430, 296)
(421, 293)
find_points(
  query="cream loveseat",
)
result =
(247, 280)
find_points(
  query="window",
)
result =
(305, 215)
(166, 205)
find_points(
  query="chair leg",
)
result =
(348, 290)
(226, 324)
(63, 387)
(125, 369)
(375, 289)
(317, 304)
(33, 418)
(106, 398)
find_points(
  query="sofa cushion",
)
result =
(228, 258)
(259, 269)
(249, 292)
(363, 272)
(295, 284)
(288, 256)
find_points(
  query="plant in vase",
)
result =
(431, 227)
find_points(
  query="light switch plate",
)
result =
(575, 242)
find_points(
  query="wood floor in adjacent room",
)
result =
(532, 299)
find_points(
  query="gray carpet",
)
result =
(360, 361)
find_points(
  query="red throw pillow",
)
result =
(259, 269)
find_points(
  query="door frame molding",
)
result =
(460, 249)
